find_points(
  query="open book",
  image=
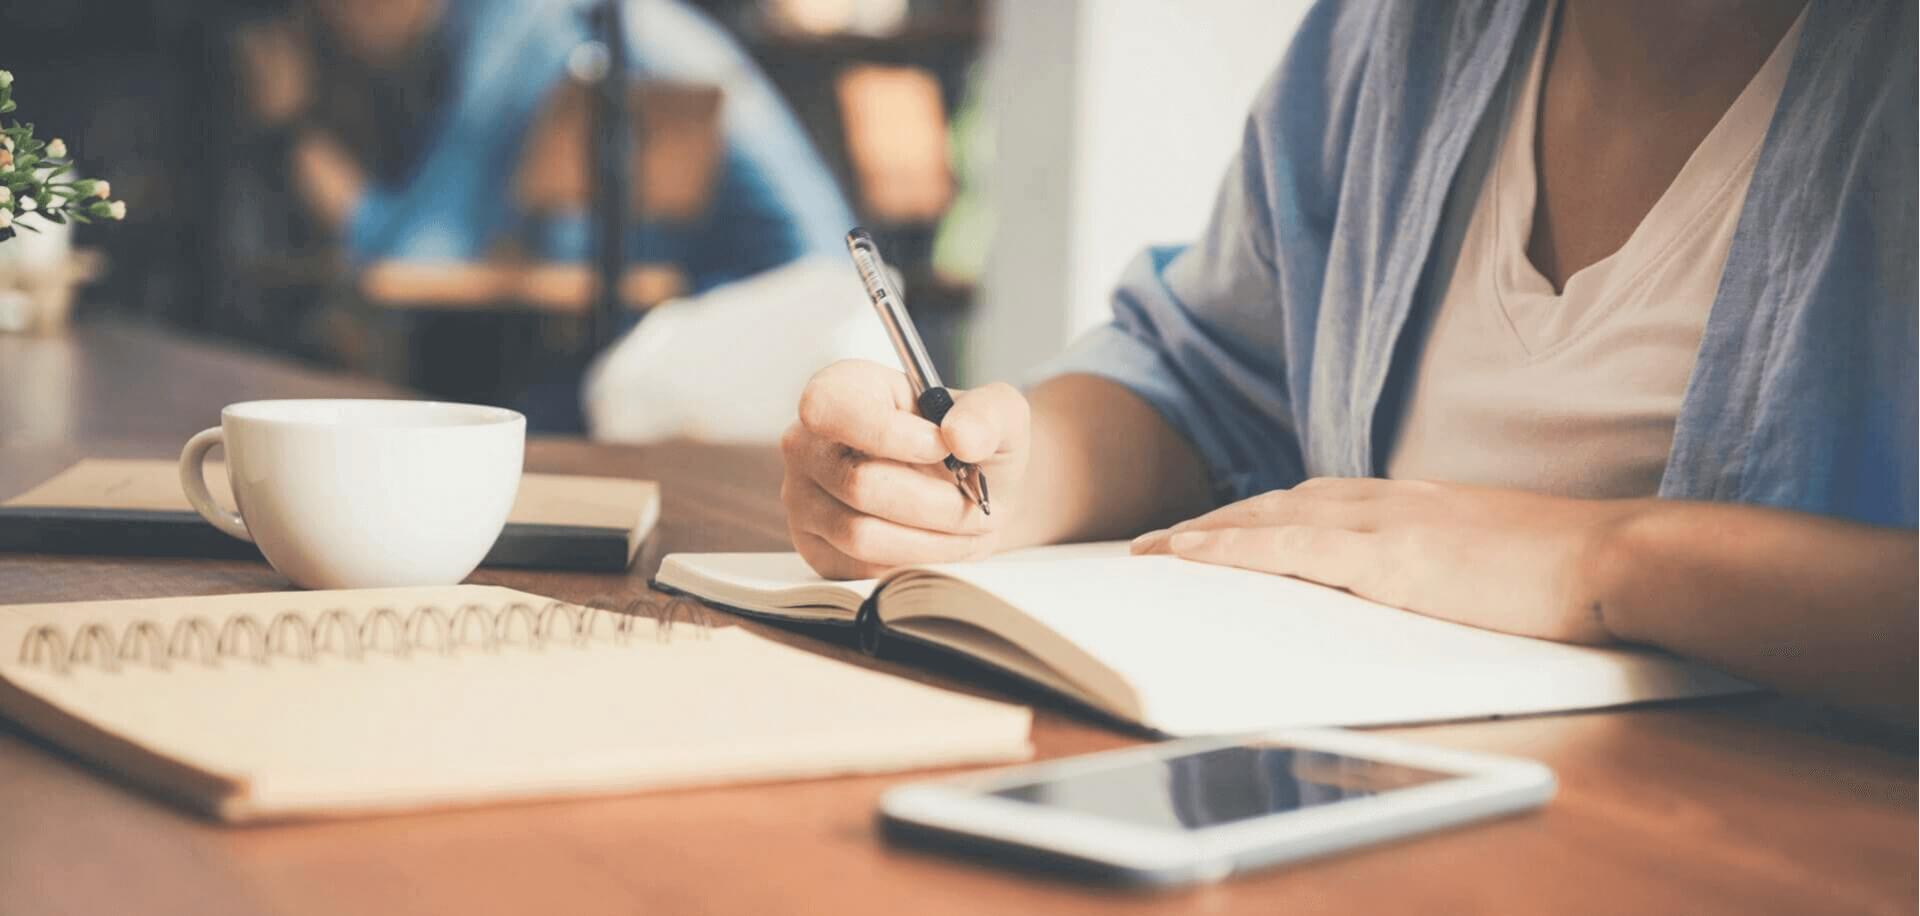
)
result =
(335, 703)
(1187, 648)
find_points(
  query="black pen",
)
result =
(930, 398)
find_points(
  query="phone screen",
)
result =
(1219, 786)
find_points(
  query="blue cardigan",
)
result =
(1275, 342)
(773, 200)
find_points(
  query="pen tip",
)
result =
(986, 508)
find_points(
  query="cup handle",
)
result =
(193, 480)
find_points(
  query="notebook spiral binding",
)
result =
(338, 633)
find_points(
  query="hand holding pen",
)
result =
(930, 397)
(879, 475)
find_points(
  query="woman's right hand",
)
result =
(865, 487)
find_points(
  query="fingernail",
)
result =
(1145, 541)
(1187, 540)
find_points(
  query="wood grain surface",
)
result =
(1740, 807)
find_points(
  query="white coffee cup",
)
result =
(363, 494)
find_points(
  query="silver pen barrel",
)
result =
(892, 308)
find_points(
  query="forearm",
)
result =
(1806, 604)
(1104, 464)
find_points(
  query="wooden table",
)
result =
(1743, 807)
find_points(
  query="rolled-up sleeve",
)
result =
(1217, 335)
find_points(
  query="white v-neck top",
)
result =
(1575, 393)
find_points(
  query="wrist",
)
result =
(1611, 560)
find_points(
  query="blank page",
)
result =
(1210, 649)
(784, 585)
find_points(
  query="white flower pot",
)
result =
(38, 273)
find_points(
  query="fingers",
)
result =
(1327, 502)
(866, 542)
(1329, 556)
(917, 495)
(986, 421)
(1335, 502)
(866, 489)
(870, 408)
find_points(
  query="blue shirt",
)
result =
(1279, 343)
(773, 199)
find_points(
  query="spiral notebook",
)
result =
(330, 704)
(136, 507)
(1187, 648)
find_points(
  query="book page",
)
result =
(334, 733)
(782, 584)
(543, 499)
(1210, 649)
(778, 584)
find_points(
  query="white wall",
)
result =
(1115, 120)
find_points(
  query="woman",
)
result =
(1589, 321)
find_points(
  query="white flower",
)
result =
(6, 216)
(117, 209)
(6, 196)
(6, 79)
(56, 148)
(28, 205)
(103, 190)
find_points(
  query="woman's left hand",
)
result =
(1499, 559)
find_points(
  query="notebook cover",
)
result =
(160, 533)
(174, 756)
(56, 518)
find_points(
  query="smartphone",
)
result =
(1200, 809)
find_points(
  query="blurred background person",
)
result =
(430, 135)
(405, 123)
